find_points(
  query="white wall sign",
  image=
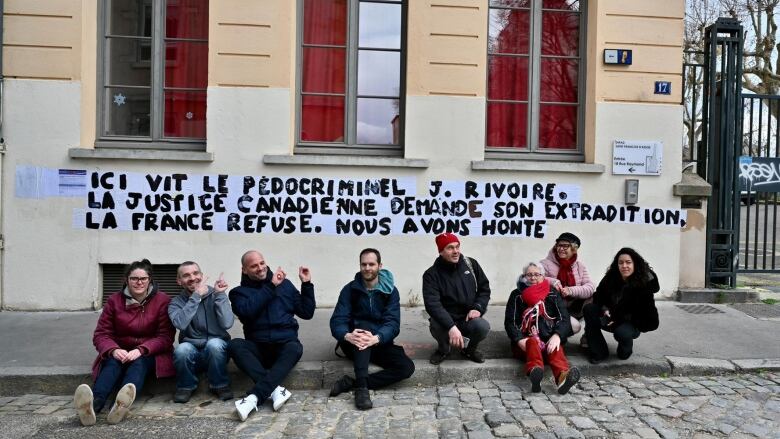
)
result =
(631, 157)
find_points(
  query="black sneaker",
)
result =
(344, 384)
(182, 395)
(437, 357)
(536, 375)
(567, 380)
(223, 393)
(363, 399)
(475, 355)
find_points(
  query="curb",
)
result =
(312, 375)
(712, 366)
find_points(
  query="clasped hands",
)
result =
(361, 338)
(123, 356)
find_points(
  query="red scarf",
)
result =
(533, 296)
(565, 273)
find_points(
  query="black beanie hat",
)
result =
(569, 237)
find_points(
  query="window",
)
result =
(114, 279)
(534, 96)
(153, 75)
(350, 80)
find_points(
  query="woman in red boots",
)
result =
(537, 323)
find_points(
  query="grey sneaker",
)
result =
(182, 395)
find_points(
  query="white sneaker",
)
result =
(280, 395)
(82, 399)
(121, 407)
(245, 406)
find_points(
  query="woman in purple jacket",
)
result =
(569, 276)
(133, 336)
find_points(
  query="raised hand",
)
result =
(304, 274)
(279, 277)
(202, 289)
(220, 286)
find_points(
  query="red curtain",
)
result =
(186, 66)
(507, 122)
(508, 77)
(324, 70)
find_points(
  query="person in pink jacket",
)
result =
(133, 337)
(570, 276)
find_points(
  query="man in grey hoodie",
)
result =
(202, 315)
(365, 322)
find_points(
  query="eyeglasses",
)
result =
(138, 279)
(532, 275)
(564, 246)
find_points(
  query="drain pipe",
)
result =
(2, 153)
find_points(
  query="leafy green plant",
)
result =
(770, 301)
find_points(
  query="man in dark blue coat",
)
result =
(366, 320)
(267, 303)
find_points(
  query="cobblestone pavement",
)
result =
(746, 405)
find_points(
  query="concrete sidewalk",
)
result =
(52, 352)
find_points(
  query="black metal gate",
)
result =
(741, 218)
(719, 149)
(758, 189)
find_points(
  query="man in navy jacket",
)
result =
(366, 320)
(266, 303)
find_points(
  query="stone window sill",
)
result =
(537, 166)
(343, 160)
(139, 154)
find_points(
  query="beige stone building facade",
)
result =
(415, 91)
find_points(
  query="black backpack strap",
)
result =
(470, 265)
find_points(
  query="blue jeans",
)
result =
(267, 364)
(113, 375)
(189, 361)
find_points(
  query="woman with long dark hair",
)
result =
(623, 304)
(133, 337)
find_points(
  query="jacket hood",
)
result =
(151, 291)
(385, 285)
(386, 281)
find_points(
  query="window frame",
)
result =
(532, 152)
(350, 145)
(156, 138)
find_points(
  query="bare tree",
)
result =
(761, 63)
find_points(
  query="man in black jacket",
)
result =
(456, 293)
